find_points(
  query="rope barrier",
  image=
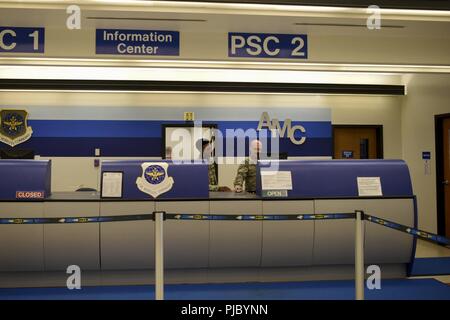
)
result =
(175, 216)
(428, 236)
(61, 220)
(250, 217)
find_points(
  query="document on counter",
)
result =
(369, 186)
(112, 184)
(276, 180)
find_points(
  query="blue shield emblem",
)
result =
(13, 127)
(154, 179)
(155, 174)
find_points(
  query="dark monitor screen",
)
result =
(16, 154)
(279, 156)
(283, 156)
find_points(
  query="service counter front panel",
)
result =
(190, 180)
(127, 245)
(25, 179)
(385, 245)
(186, 242)
(72, 243)
(287, 243)
(338, 178)
(235, 244)
(319, 187)
(334, 240)
(21, 245)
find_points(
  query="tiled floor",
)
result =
(391, 289)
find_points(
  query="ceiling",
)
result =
(140, 14)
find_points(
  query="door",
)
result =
(446, 180)
(357, 142)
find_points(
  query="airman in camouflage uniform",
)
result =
(213, 184)
(204, 146)
(246, 172)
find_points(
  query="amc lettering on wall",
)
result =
(287, 130)
(137, 42)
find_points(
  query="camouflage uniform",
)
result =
(246, 173)
(213, 185)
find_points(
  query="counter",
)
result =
(203, 245)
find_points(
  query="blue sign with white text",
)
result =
(137, 42)
(18, 39)
(426, 155)
(267, 45)
(347, 154)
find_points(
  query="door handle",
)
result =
(445, 182)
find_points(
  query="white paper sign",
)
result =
(276, 180)
(369, 186)
(112, 184)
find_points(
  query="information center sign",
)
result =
(137, 42)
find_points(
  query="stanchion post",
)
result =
(359, 255)
(158, 217)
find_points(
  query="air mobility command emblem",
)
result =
(154, 180)
(13, 127)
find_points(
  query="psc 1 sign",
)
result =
(19, 39)
(267, 45)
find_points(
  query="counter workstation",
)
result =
(317, 187)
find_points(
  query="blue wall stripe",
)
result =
(147, 129)
(134, 138)
(85, 147)
(314, 129)
(145, 147)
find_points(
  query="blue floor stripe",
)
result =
(431, 266)
(402, 289)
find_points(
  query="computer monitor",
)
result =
(283, 156)
(279, 156)
(184, 138)
(16, 154)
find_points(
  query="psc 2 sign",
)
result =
(266, 45)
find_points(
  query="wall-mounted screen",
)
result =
(181, 142)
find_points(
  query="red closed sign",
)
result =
(30, 194)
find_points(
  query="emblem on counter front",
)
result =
(13, 127)
(154, 180)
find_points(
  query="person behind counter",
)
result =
(169, 153)
(247, 170)
(206, 149)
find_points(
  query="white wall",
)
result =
(428, 95)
